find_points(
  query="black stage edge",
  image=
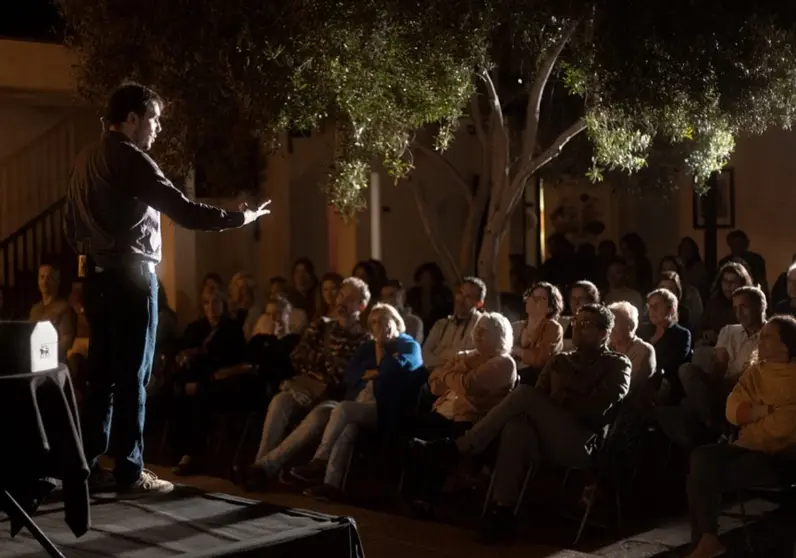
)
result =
(191, 523)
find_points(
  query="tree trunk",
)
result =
(487, 265)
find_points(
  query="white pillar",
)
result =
(375, 216)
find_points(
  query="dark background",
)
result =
(30, 19)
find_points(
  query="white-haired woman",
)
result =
(467, 388)
(641, 354)
(378, 380)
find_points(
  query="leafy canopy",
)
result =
(686, 75)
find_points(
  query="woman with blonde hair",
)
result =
(242, 304)
(378, 379)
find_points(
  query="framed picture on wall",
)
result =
(723, 188)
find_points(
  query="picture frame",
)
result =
(723, 186)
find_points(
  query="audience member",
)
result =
(739, 243)
(787, 305)
(319, 360)
(466, 388)
(763, 406)
(453, 334)
(671, 341)
(580, 294)
(378, 380)
(718, 310)
(618, 289)
(624, 341)
(430, 298)
(539, 337)
(222, 347)
(695, 269)
(690, 298)
(54, 309)
(393, 293)
(561, 420)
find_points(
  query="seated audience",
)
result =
(701, 414)
(618, 289)
(787, 305)
(467, 387)
(623, 340)
(671, 341)
(690, 299)
(561, 420)
(763, 406)
(302, 294)
(222, 347)
(319, 362)
(779, 292)
(540, 336)
(453, 334)
(670, 281)
(718, 310)
(430, 298)
(326, 300)
(695, 269)
(393, 293)
(298, 318)
(268, 351)
(242, 304)
(54, 309)
(378, 380)
(580, 294)
(738, 243)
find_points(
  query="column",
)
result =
(274, 245)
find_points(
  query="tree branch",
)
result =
(537, 91)
(448, 261)
(533, 165)
(461, 181)
(499, 140)
(478, 123)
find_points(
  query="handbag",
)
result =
(307, 389)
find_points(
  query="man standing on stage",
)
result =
(112, 218)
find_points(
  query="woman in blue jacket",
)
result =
(377, 381)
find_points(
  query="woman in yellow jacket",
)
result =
(763, 405)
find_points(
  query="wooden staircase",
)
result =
(33, 183)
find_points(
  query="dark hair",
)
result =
(674, 278)
(395, 284)
(437, 277)
(679, 266)
(786, 327)
(605, 318)
(590, 288)
(321, 309)
(277, 280)
(479, 284)
(737, 234)
(129, 97)
(692, 243)
(636, 244)
(214, 277)
(753, 295)
(731, 267)
(378, 269)
(555, 302)
(370, 271)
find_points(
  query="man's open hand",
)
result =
(250, 215)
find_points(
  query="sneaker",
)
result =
(101, 480)
(312, 472)
(147, 484)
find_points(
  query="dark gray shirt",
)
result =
(116, 195)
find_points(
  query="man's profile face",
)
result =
(145, 129)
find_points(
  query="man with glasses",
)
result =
(560, 420)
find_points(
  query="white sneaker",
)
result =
(147, 484)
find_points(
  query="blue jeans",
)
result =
(122, 311)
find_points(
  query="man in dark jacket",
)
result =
(112, 218)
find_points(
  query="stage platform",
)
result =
(189, 522)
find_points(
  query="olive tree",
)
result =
(658, 81)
